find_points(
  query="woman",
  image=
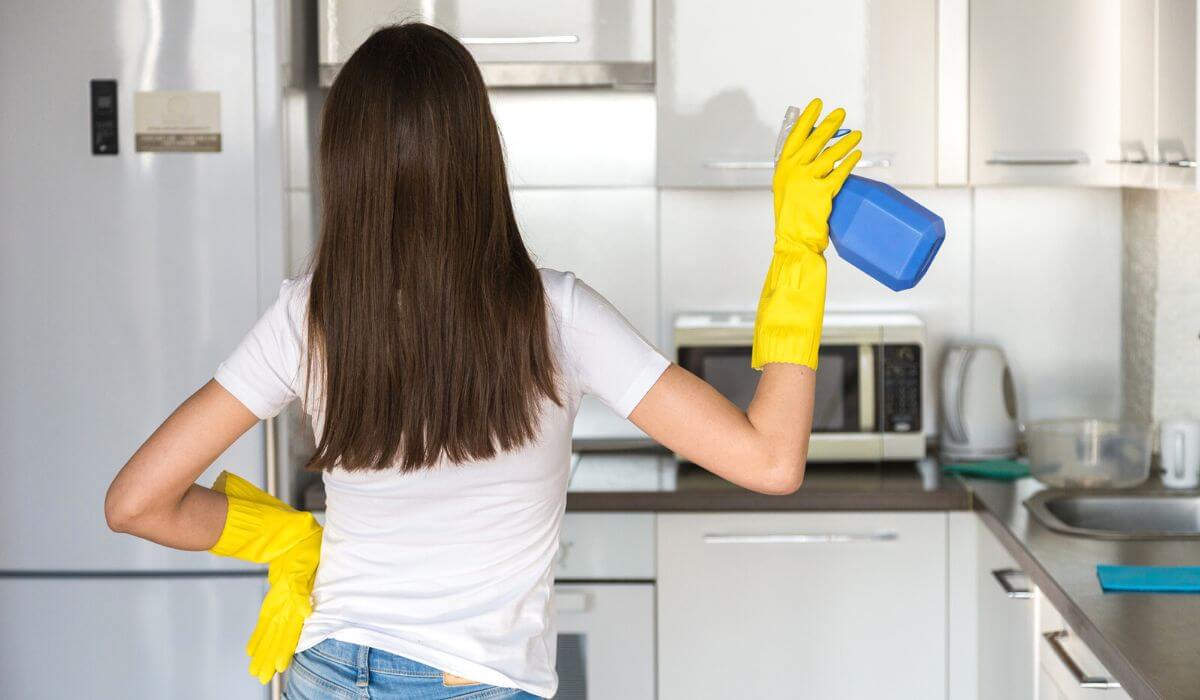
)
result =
(443, 371)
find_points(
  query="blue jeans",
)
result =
(344, 671)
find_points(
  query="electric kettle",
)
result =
(979, 407)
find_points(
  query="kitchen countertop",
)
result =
(1149, 642)
(896, 486)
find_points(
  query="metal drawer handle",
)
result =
(1066, 158)
(1054, 639)
(1003, 576)
(740, 164)
(804, 538)
(494, 40)
(880, 162)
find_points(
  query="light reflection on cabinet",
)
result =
(726, 74)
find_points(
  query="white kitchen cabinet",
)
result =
(1176, 94)
(575, 42)
(1158, 93)
(1006, 666)
(1045, 92)
(822, 605)
(1067, 668)
(725, 74)
(1139, 58)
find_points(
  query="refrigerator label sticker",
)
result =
(177, 122)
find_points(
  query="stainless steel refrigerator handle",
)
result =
(804, 538)
(1003, 575)
(1054, 639)
(498, 40)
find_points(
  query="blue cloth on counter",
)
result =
(1149, 579)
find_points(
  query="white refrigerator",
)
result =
(125, 278)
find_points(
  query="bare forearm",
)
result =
(194, 523)
(763, 450)
(155, 496)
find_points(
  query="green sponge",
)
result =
(999, 469)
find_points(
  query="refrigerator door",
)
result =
(124, 279)
(134, 638)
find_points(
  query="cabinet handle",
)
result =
(1178, 163)
(1054, 639)
(1003, 576)
(804, 538)
(879, 162)
(1067, 158)
(494, 40)
(740, 164)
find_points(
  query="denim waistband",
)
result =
(359, 656)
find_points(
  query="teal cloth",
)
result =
(999, 469)
(1149, 579)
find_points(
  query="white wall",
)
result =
(1047, 287)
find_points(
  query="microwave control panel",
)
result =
(901, 387)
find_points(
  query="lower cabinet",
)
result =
(1067, 669)
(1006, 665)
(821, 605)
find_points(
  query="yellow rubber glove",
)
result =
(263, 529)
(787, 327)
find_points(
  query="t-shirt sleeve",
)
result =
(262, 371)
(611, 361)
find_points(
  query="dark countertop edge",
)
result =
(946, 498)
(1131, 681)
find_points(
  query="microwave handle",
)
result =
(866, 387)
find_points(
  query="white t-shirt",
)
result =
(453, 566)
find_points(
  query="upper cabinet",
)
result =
(531, 43)
(1158, 93)
(1175, 136)
(727, 73)
(1045, 92)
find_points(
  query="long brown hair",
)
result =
(427, 318)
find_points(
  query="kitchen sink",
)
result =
(1118, 516)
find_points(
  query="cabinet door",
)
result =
(1063, 659)
(1005, 624)
(1045, 92)
(605, 641)
(822, 605)
(560, 31)
(727, 73)
(1176, 123)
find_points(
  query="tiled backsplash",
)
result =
(1161, 304)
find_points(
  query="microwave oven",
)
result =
(869, 385)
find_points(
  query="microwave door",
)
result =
(837, 406)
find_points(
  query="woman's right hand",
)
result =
(808, 177)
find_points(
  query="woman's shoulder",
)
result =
(560, 288)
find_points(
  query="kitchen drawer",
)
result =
(1066, 663)
(821, 605)
(606, 546)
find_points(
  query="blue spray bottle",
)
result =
(876, 228)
